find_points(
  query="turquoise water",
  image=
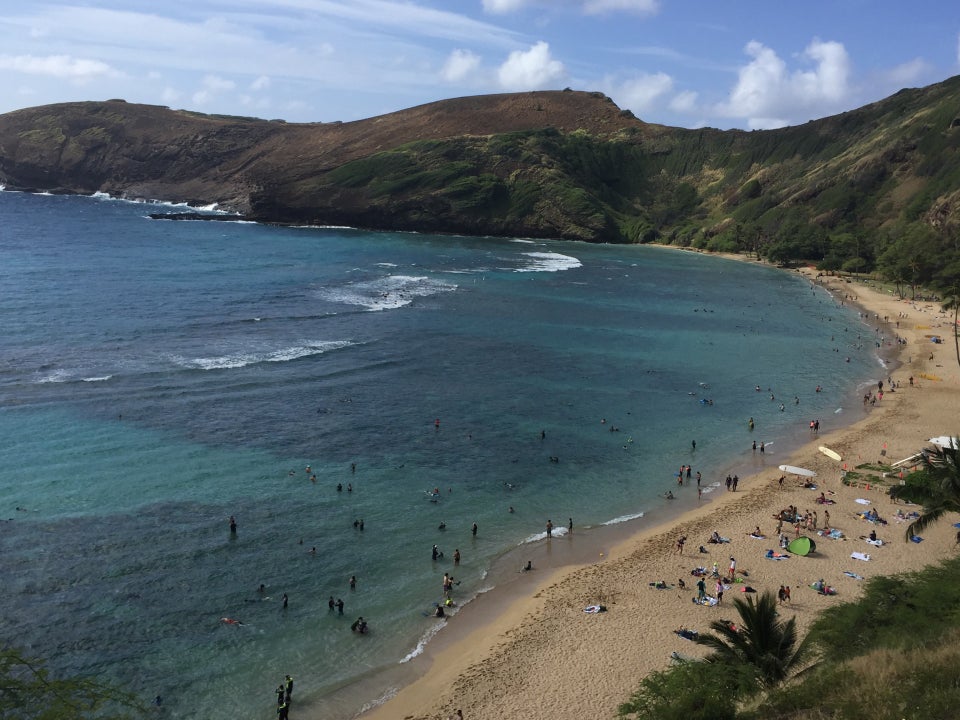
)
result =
(158, 377)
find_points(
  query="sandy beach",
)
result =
(541, 656)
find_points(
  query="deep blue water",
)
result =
(158, 377)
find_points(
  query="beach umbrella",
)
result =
(802, 546)
(794, 470)
(945, 441)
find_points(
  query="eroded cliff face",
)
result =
(542, 164)
(278, 172)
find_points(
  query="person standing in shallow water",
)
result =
(549, 528)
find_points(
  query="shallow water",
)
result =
(158, 377)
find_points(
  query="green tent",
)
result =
(802, 546)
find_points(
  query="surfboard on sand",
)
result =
(830, 453)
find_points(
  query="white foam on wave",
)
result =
(99, 378)
(557, 532)
(549, 262)
(239, 360)
(57, 376)
(523, 241)
(386, 293)
(422, 642)
(624, 518)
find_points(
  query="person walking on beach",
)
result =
(736, 480)
(680, 541)
(729, 482)
(701, 589)
(719, 592)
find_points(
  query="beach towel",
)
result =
(877, 542)
(708, 601)
(916, 539)
(771, 555)
(747, 589)
(687, 634)
(853, 575)
(660, 585)
(862, 501)
(758, 537)
(699, 571)
(833, 534)
(595, 609)
(860, 556)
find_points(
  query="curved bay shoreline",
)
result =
(528, 650)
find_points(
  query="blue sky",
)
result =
(688, 63)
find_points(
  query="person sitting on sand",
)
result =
(681, 584)
(715, 538)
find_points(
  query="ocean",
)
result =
(158, 377)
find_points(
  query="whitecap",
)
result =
(624, 518)
(239, 360)
(386, 293)
(549, 262)
(422, 643)
(523, 240)
(557, 532)
(57, 376)
(100, 378)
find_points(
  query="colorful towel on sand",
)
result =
(876, 542)
(687, 634)
(862, 501)
(771, 555)
(859, 556)
(660, 585)
(595, 609)
(708, 601)
(853, 575)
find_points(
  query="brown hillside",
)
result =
(155, 152)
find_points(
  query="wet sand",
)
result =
(530, 651)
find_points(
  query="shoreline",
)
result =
(527, 648)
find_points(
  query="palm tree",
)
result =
(936, 487)
(763, 648)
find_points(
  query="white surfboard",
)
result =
(830, 453)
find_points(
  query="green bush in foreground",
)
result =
(892, 655)
(29, 692)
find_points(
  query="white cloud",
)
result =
(215, 83)
(459, 65)
(908, 73)
(261, 83)
(500, 7)
(170, 95)
(599, 7)
(684, 102)
(768, 94)
(642, 92)
(531, 69)
(61, 66)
